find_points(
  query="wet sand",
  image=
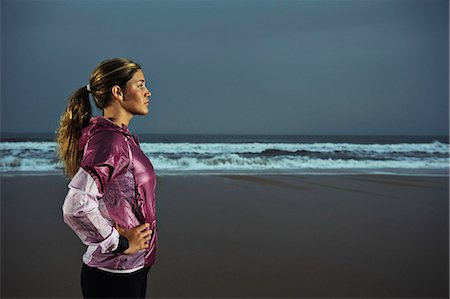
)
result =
(250, 236)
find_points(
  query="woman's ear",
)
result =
(116, 92)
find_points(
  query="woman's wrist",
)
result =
(122, 246)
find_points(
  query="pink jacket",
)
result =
(115, 184)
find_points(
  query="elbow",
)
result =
(68, 211)
(71, 214)
(77, 205)
(69, 218)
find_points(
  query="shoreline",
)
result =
(247, 236)
(315, 172)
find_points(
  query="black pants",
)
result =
(96, 283)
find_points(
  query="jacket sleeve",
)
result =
(106, 156)
(81, 212)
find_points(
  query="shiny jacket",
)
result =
(115, 185)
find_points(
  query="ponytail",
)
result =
(74, 118)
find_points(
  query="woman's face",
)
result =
(136, 94)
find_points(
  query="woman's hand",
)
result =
(138, 237)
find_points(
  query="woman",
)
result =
(111, 199)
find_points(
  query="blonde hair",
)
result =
(111, 72)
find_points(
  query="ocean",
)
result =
(253, 154)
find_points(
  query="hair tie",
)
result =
(88, 87)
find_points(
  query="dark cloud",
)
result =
(249, 67)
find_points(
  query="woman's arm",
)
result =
(81, 212)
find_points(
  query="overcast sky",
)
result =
(237, 67)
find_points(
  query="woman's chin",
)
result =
(142, 112)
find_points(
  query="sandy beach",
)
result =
(250, 236)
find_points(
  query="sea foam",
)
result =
(251, 156)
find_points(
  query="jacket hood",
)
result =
(97, 125)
